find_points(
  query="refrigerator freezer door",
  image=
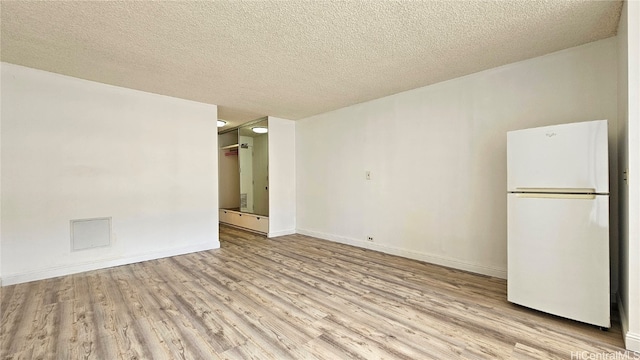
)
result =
(561, 156)
(559, 256)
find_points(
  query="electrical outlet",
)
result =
(370, 238)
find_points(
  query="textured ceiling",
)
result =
(290, 59)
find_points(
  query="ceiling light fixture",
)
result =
(221, 123)
(259, 130)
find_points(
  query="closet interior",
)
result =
(243, 168)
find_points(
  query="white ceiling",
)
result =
(290, 59)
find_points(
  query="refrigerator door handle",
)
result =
(557, 190)
(556, 196)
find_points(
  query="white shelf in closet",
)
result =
(233, 146)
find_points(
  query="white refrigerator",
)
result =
(558, 220)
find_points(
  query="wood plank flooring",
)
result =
(293, 297)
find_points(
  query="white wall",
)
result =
(437, 157)
(74, 149)
(629, 154)
(282, 176)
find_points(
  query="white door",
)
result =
(559, 157)
(559, 255)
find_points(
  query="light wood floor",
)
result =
(289, 297)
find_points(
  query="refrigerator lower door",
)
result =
(558, 255)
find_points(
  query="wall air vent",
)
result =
(90, 233)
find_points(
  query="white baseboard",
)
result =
(411, 254)
(100, 264)
(281, 233)
(631, 340)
